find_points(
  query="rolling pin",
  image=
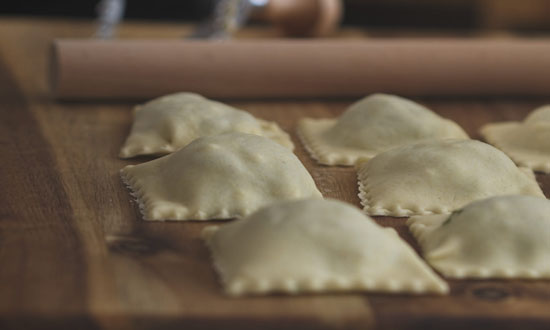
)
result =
(141, 69)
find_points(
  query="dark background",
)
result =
(520, 15)
(450, 14)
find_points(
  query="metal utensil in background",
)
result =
(304, 18)
(110, 13)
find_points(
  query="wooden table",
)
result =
(74, 253)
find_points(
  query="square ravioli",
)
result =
(168, 123)
(439, 177)
(499, 237)
(527, 142)
(315, 246)
(218, 177)
(370, 126)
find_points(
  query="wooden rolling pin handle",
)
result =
(303, 18)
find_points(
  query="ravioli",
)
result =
(218, 177)
(439, 177)
(315, 246)
(527, 142)
(499, 237)
(168, 123)
(372, 125)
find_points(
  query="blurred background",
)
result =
(520, 16)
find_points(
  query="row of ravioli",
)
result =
(224, 163)
(317, 245)
(368, 127)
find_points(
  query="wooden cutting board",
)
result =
(74, 253)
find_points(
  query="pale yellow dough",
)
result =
(372, 125)
(439, 177)
(500, 237)
(527, 142)
(218, 177)
(315, 246)
(168, 123)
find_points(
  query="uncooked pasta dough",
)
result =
(315, 246)
(218, 177)
(527, 142)
(500, 237)
(439, 177)
(168, 123)
(372, 125)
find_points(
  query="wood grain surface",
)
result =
(74, 253)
